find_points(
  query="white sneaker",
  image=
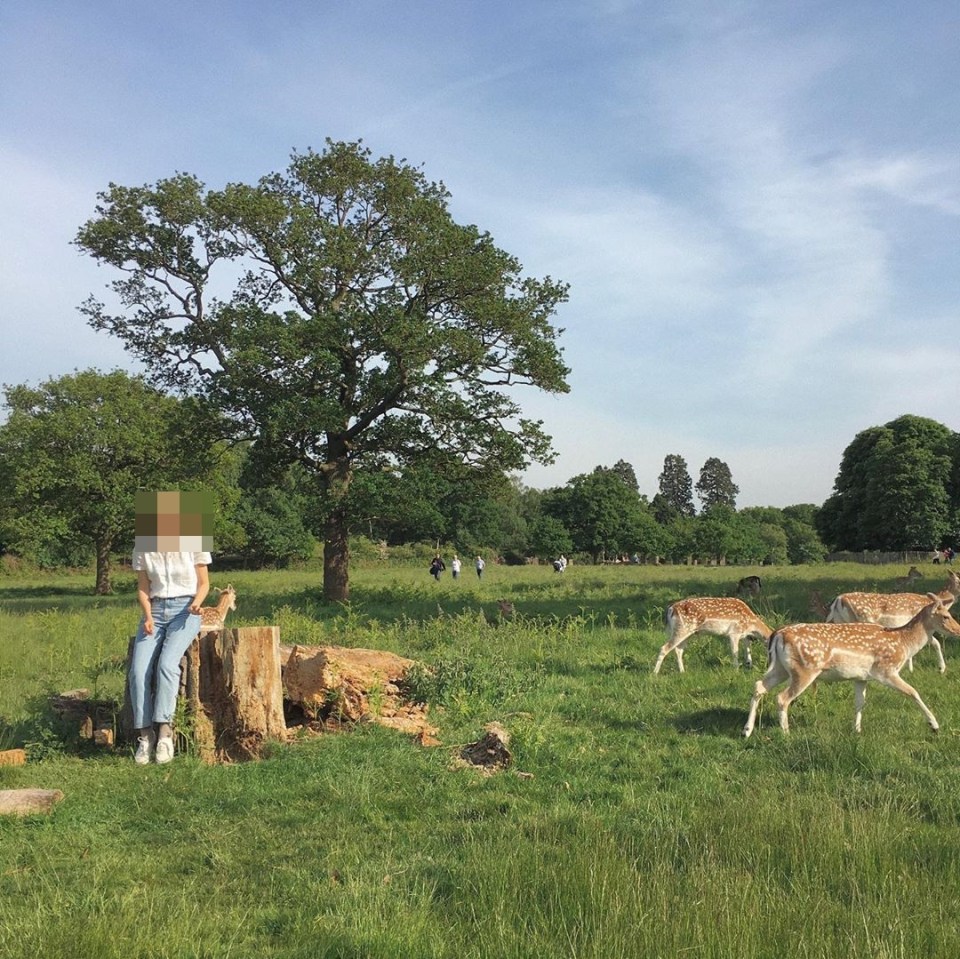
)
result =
(144, 748)
(164, 749)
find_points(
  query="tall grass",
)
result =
(644, 827)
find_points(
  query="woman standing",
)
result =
(170, 590)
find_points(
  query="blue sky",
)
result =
(756, 204)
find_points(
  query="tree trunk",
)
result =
(336, 558)
(336, 474)
(234, 697)
(231, 690)
(104, 586)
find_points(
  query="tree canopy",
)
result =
(675, 496)
(715, 486)
(895, 489)
(336, 314)
(75, 450)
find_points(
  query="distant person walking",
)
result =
(437, 567)
(480, 564)
(455, 565)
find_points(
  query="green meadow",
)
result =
(643, 824)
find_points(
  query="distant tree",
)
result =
(603, 516)
(337, 314)
(549, 538)
(715, 486)
(626, 472)
(75, 450)
(895, 488)
(675, 488)
(722, 536)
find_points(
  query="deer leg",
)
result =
(673, 644)
(798, 684)
(859, 698)
(895, 681)
(775, 675)
(938, 649)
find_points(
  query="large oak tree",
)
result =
(337, 314)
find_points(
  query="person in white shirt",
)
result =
(171, 586)
(455, 566)
(480, 564)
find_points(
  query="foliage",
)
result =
(715, 486)
(675, 489)
(75, 450)
(366, 325)
(604, 517)
(895, 489)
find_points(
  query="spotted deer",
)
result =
(719, 616)
(807, 652)
(892, 609)
(214, 617)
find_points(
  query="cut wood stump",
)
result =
(233, 697)
(490, 753)
(25, 802)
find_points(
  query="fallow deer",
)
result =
(892, 609)
(749, 585)
(719, 616)
(903, 582)
(857, 652)
(213, 617)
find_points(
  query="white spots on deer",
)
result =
(719, 616)
(858, 652)
(214, 617)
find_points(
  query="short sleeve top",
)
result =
(170, 574)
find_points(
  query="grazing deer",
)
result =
(891, 610)
(213, 617)
(859, 652)
(748, 585)
(903, 582)
(718, 616)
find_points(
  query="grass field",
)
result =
(646, 828)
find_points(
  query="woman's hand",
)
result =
(148, 625)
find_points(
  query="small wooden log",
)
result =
(25, 802)
(13, 757)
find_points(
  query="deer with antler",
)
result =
(859, 652)
(214, 617)
(891, 609)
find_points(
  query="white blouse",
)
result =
(171, 574)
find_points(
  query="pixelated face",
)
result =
(174, 522)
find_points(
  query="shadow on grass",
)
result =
(719, 721)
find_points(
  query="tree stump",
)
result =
(231, 690)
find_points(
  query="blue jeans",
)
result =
(154, 676)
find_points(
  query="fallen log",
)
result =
(350, 685)
(25, 802)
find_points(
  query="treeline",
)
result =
(74, 451)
